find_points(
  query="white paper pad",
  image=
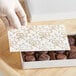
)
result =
(38, 38)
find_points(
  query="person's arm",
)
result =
(12, 13)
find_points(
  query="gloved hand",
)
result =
(12, 13)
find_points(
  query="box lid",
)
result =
(38, 38)
(44, 10)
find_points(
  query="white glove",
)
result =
(12, 13)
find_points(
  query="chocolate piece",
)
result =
(73, 48)
(29, 53)
(30, 58)
(72, 55)
(44, 57)
(52, 55)
(71, 40)
(61, 56)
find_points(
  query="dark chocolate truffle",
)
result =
(72, 55)
(71, 40)
(44, 57)
(30, 58)
(61, 56)
(73, 48)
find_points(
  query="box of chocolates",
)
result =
(43, 46)
(46, 59)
